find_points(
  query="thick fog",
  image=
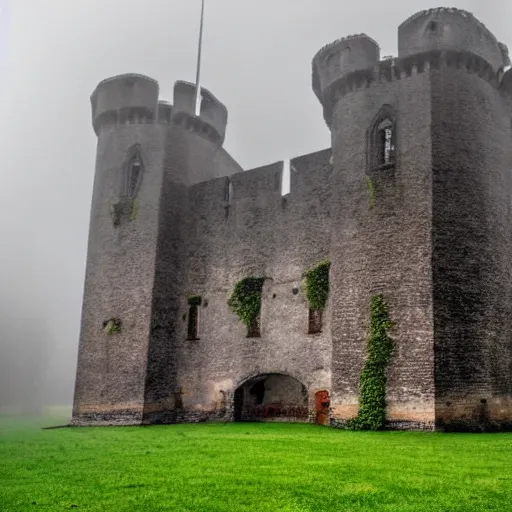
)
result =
(256, 59)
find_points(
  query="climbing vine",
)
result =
(112, 326)
(245, 301)
(195, 300)
(317, 285)
(371, 191)
(124, 209)
(373, 379)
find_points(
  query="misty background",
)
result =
(256, 59)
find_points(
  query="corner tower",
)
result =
(421, 154)
(379, 115)
(148, 154)
(471, 225)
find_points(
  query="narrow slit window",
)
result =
(193, 322)
(228, 191)
(315, 321)
(133, 172)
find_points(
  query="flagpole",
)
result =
(198, 72)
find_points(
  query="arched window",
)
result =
(133, 172)
(385, 142)
(382, 140)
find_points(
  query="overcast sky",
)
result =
(257, 60)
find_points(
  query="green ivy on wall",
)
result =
(195, 300)
(371, 191)
(124, 209)
(373, 379)
(245, 301)
(112, 326)
(317, 285)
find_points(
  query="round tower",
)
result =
(450, 29)
(379, 116)
(337, 61)
(124, 99)
(122, 250)
(148, 153)
(421, 157)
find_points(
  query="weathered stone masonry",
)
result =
(413, 201)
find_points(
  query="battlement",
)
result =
(450, 29)
(117, 99)
(164, 112)
(434, 38)
(213, 115)
(393, 69)
(307, 173)
(132, 98)
(341, 57)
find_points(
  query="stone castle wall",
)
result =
(431, 232)
(257, 232)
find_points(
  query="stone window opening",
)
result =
(385, 142)
(228, 196)
(432, 26)
(193, 323)
(228, 191)
(133, 172)
(254, 329)
(135, 169)
(315, 321)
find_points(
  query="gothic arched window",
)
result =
(382, 140)
(133, 172)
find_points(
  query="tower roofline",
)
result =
(450, 10)
(335, 43)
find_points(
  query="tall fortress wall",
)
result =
(174, 216)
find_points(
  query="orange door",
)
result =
(322, 407)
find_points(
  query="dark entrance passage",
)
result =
(271, 397)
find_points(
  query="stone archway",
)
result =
(271, 397)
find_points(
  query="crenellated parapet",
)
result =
(431, 39)
(122, 99)
(342, 57)
(450, 29)
(164, 112)
(391, 70)
(131, 99)
(213, 115)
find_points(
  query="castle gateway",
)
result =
(209, 295)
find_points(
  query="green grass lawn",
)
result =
(250, 467)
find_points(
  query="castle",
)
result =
(413, 203)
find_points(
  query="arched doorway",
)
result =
(271, 397)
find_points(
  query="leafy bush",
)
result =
(317, 285)
(245, 301)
